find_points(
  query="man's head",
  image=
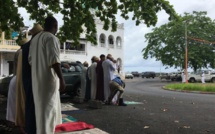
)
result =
(102, 57)
(51, 25)
(85, 64)
(36, 29)
(109, 56)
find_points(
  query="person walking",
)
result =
(47, 78)
(108, 69)
(100, 79)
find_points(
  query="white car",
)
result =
(129, 76)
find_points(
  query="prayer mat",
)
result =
(68, 107)
(68, 118)
(132, 102)
(72, 126)
(88, 131)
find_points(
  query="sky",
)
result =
(134, 35)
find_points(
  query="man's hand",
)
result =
(62, 85)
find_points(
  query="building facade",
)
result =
(107, 43)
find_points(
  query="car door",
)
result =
(207, 76)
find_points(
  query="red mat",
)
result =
(72, 126)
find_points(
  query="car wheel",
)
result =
(76, 91)
(192, 80)
(213, 80)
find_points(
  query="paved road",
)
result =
(162, 111)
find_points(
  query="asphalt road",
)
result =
(162, 111)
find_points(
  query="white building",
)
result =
(108, 43)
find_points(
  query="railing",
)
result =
(9, 44)
(102, 44)
(111, 46)
(74, 52)
(119, 47)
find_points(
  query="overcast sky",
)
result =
(134, 35)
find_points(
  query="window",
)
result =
(119, 42)
(102, 39)
(110, 40)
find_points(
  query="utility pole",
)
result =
(186, 54)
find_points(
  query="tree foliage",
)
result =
(77, 14)
(167, 42)
(9, 18)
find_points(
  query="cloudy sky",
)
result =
(134, 35)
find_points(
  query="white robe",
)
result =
(92, 77)
(203, 77)
(83, 82)
(11, 101)
(108, 69)
(43, 53)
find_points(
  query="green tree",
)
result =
(77, 13)
(167, 42)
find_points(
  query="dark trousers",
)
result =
(30, 119)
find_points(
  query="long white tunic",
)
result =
(108, 69)
(92, 77)
(203, 78)
(11, 101)
(83, 82)
(43, 53)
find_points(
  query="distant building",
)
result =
(108, 43)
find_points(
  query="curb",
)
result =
(188, 91)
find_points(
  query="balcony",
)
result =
(111, 46)
(73, 52)
(102, 44)
(8, 45)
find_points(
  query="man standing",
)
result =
(100, 79)
(108, 69)
(44, 58)
(30, 120)
(203, 77)
(92, 77)
(83, 80)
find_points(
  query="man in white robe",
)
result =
(108, 69)
(92, 77)
(83, 80)
(44, 58)
(11, 100)
(203, 77)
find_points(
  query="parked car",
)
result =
(4, 84)
(148, 75)
(135, 74)
(175, 76)
(71, 73)
(165, 76)
(209, 76)
(129, 76)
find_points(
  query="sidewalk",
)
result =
(65, 107)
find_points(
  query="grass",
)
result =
(207, 87)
